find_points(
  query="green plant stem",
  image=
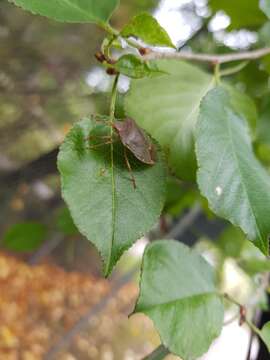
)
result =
(108, 28)
(233, 301)
(217, 73)
(111, 120)
(158, 354)
(113, 98)
(234, 69)
(254, 328)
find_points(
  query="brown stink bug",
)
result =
(134, 139)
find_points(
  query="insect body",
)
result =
(132, 138)
(136, 140)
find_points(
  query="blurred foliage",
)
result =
(245, 14)
(65, 223)
(24, 237)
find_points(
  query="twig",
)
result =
(220, 59)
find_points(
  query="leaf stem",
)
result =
(254, 328)
(108, 28)
(233, 301)
(234, 69)
(217, 73)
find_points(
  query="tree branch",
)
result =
(216, 59)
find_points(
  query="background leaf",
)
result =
(177, 291)
(65, 223)
(146, 27)
(244, 105)
(265, 335)
(79, 11)
(230, 177)
(244, 13)
(24, 237)
(265, 6)
(167, 107)
(103, 203)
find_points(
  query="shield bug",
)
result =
(134, 139)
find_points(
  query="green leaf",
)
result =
(146, 27)
(76, 11)
(24, 237)
(263, 128)
(65, 223)
(244, 105)
(97, 188)
(231, 242)
(178, 292)
(167, 107)
(246, 13)
(230, 177)
(265, 6)
(265, 335)
(253, 266)
(131, 66)
(178, 197)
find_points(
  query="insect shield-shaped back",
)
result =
(136, 140)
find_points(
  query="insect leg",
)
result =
(93, 137)
(129, 168)
(101, 144)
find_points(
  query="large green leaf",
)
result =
(24, 237)
(265, 6)
(146, 27)
(230, 177)
(77, 11)
(167, 107)
(177, 291)
(102, 200)
(244, 105)
(243, 13)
